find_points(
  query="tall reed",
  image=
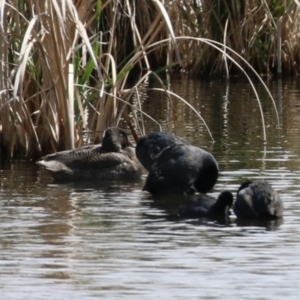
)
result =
(39, 39)
(111, 42)
(265, 33)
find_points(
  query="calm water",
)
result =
(84, 241)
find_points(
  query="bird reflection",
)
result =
(269, 225)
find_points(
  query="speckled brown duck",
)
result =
(114, 159)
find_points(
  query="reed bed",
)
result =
(265, 33)
(71, 68)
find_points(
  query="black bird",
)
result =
(149, 146)
(206, 206)
(182, 169)
(114, 159)
(257, 200)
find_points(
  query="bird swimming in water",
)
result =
(257, 200)
(182, 169)
(205, 206)
(114, 159)
(149, 146)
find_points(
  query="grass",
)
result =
(109, 43)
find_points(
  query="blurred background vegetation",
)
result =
(114, 46)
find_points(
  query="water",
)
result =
(87, 241)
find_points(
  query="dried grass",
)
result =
(108, 41)
(265, 33)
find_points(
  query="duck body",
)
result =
(114, 159)
(148, 147)
(182, 169)
(205, 206)
(257, 200)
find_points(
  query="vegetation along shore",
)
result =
(70, 69)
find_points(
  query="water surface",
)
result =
(99, 241)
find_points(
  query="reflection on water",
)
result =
(112, 241)
(268, 224)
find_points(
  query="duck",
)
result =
(149, 146)
(257, 200)
(114, 159)
(205, 206)
(182, 169)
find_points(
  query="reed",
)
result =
(109, 43)
(39, 39)
(264, 33)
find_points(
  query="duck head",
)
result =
(115, 139)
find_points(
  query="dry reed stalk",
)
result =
(46, 44)
(6, 128)
(252, 31)
(39, 39)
